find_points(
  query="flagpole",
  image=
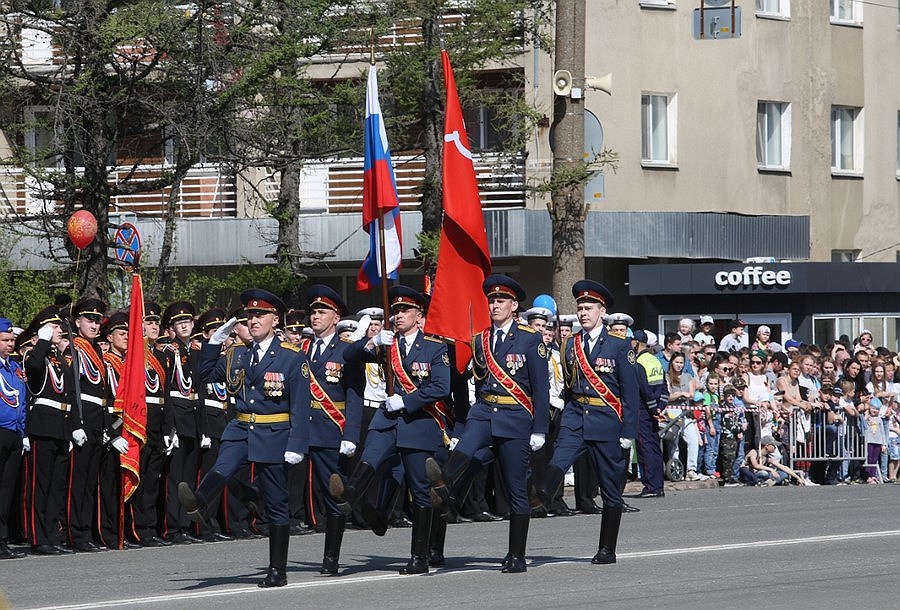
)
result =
(382, 257)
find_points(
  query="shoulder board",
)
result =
(346, 340)
(290, 346)
(621, 334)
(526, 328)
(432, 339)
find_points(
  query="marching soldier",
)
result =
(184, 415)
(92, 424)
(269, 381)
(412, 422)
(13, 395)
(49, 427)
(600, 416)
(511, 411)
(115, 331)
(144, 501)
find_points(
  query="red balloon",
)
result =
(82, 228)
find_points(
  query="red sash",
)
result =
(500, 375)
(319, 394)
(114, 362)
(438, 411)
(157, 366)
(90, 352)
(594, 380)
(304, 345)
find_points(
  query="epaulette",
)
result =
(621, 334)
(526, 328)
(290, 346)
(432, 339)
(346, 340)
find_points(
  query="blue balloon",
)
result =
(545, 300)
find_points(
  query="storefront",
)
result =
(810, 302)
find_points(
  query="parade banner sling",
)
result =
(500, 375)
(438, 411)
(594, 380)
(321, 396)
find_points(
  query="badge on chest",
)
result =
(421, 370)
(333, 372)
(604, 365)
(273, 384)
(514, 362)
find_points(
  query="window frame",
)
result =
(671, 127)
(858, 133)
(782, 13)
(785, 135)
(856, 13)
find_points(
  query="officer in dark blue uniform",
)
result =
(12, 430)
(410, 423)
(600, 416)
(511, 411)
(269, 380)
(654, 395)
(336, 411)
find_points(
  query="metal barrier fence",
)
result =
(813, 439)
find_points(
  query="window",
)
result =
(658, 112)
(846, 140)
(773, 8)
(844, 256)
(40, 139)
(484, 128)
(773, 135)
(668, 4)
(846, 12)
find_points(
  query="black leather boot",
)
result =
(443, 481)
(334, 535)
(546, 490)
(421, 531)
(279, 538)
(195, 502)
(375, 519)
(436, 542)
(609, 534)
(346, 494)
(518, 538)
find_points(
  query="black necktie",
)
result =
(254, 354)
(317, 349)
(498, 341)
(403, 347)
(587, 343)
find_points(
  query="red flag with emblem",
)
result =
(458, 306)
(131, 395)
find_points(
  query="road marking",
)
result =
(328, 582)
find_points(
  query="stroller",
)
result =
(670, 434)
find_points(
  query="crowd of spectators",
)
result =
(774, 414)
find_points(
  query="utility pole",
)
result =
(567, 206)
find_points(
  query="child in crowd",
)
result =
(732, 440)
(846, 408)
(876, 439)
(713, 419)
(894, 442)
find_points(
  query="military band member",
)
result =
(511, 411)
(336, 409)
(184, 416)
(13, 396)
(92, 424)
(600, 417)
(269, 380)
(145, 499)
(49, 427)
(412, 423)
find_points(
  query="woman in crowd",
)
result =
(682, 387)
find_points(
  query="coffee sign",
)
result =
(753, 276)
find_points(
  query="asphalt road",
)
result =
(822, 547)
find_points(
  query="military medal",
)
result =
(514, 362)
(273, 385)
(333, 372)
(421, 369)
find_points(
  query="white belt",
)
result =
(55, 404)
(375, 404)
(177, 394)
(155, 400)
(94, 400)
(217, 404)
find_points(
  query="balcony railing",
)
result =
(208, 191)
(336, 187)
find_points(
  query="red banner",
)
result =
(458, 306)
(131, 395)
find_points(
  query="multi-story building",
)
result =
(773, 137)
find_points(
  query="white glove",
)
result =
(45, 332)
(347, 448)
(70, 447)
(120, 444)
(104, 438)
(170, 443)
(293, 458)
(453, 442)
(385, 337)
(205, 442)
(394, 403)
(557, 403)
(223, 332)
(26, 444)
(537, 441)
(626, 443)
(79, 436)
(175, 443)
(362, 328)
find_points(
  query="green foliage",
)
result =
(206, 290)
(566, 178)
(24, 293)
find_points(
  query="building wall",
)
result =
(804, 60)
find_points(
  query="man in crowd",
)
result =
(13, 441)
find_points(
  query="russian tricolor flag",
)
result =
(380, 201)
